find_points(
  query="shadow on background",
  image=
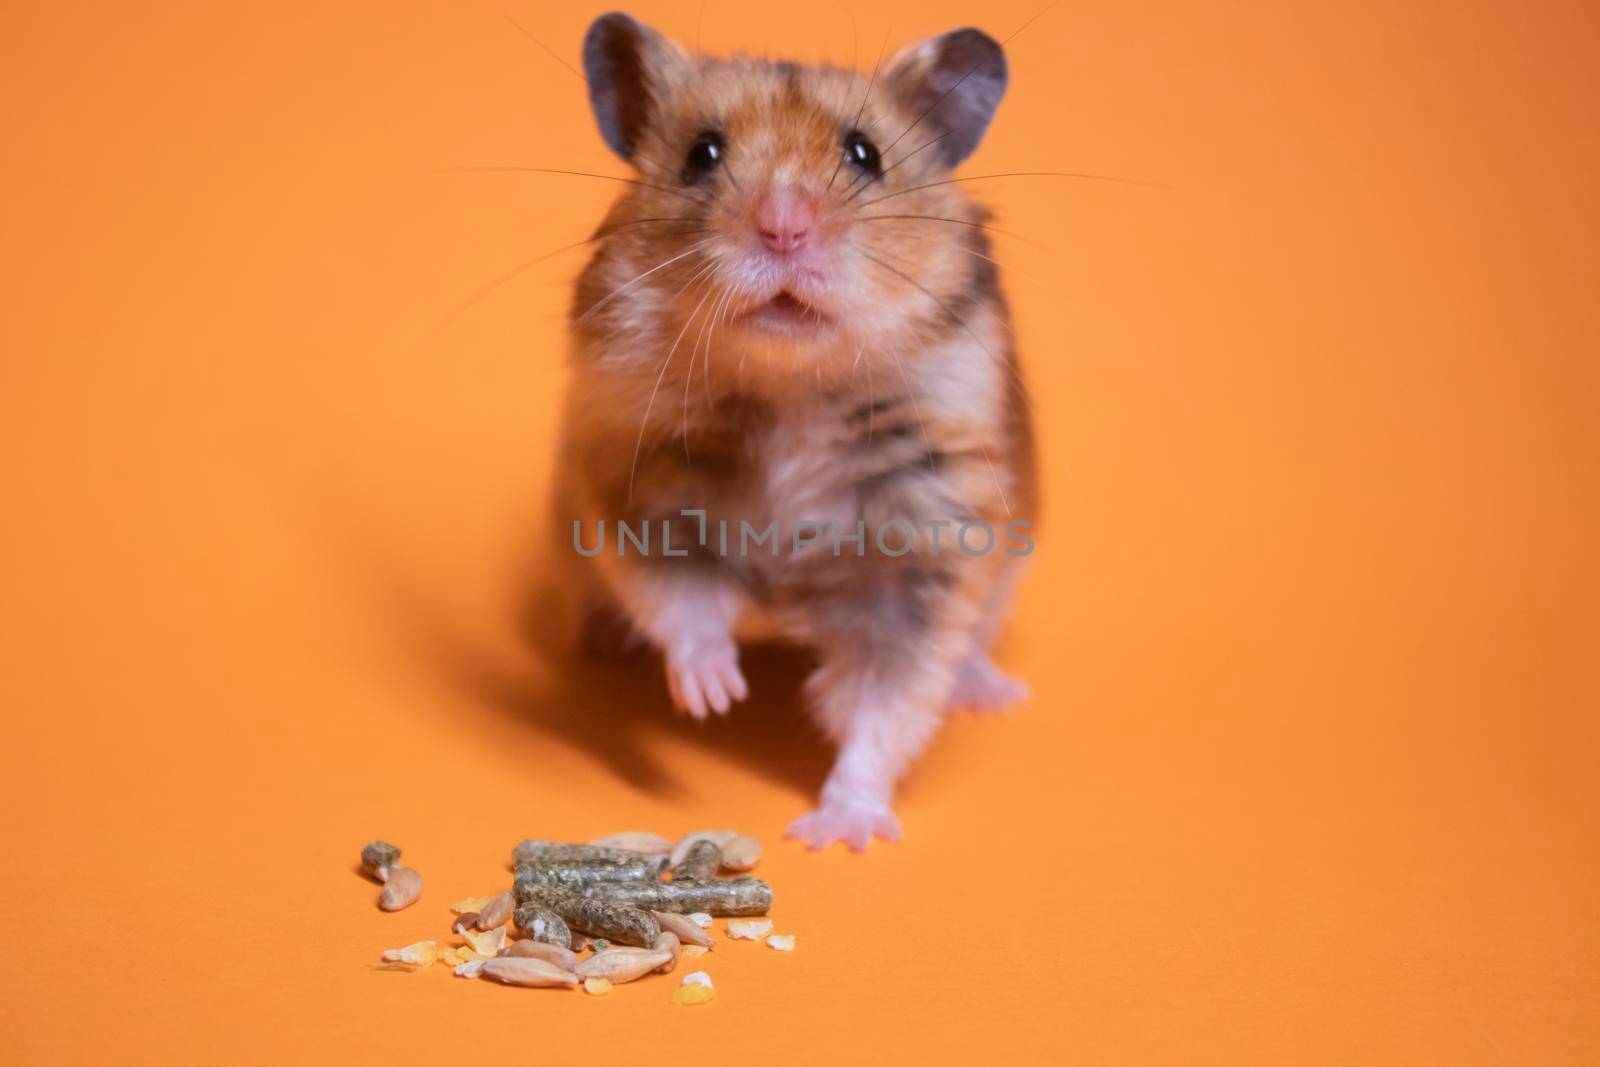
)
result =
(603, 691)
(597, 688)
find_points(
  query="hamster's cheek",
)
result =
(869, 307)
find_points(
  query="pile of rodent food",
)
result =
(597, 915)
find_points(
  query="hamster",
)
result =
(794, 372)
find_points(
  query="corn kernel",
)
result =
(750, 929)
(597, 987)
(693, 994)
(419, 954)
(781, 942)
(486, 942)
(461, 907)
(695, 950)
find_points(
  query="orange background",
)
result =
(1309, 772)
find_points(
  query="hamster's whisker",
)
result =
(855, 190)
(1010, 270)
(548, 50)
(929, 109)
(688, 375)
(630, 225)
(1041, 14)
(863, 108)
(927, 444)
(672, 174)
(498, 281)
(916, 408)
(700, 272)
(872, 403)
(719, 315)
(1013, 174)
(739, 374)
(656, 163)
(984, 450)
(575, 174)
(704, 269)
(644, 420)
(945, 95)
(996, 360)
(855, 35)
(929, 143)
(625, 286)
(488, 288)
(576, 73)
(954, 222)
(1000, 322)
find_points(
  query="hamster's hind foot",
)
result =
(855, 825)
(704, 676)
(984, 688)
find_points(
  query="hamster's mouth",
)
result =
(786, 312)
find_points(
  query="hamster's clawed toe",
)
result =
(705, 677)
(984, 688)
(854, 825)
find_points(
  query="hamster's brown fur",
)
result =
(867, 375)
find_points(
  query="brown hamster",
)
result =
(794, 375)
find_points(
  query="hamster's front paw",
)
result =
(704, 675)
(984, 688)
(854, 824)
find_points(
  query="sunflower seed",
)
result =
(559, 955)
(689, 932)
(654, 844)
(528, 971)
(686, 842)
(401, 889)
(622, 964)
(667, 941)
(741, 854)
(497, 912)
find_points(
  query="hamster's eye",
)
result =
(704, 155)
(862, 154)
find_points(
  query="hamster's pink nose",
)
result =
(784, 220)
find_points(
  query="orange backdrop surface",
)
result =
(1308, 775)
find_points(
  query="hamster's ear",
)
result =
(631, 69)
(958, 79)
